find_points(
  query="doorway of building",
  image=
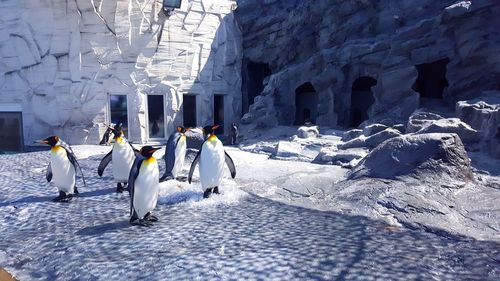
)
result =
(11, 132)
(156, 117)
(361, 99)
(118, 111)
(431, 80)
(306, 103)
(219, 113)
(189, 110)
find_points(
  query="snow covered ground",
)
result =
(278, 220)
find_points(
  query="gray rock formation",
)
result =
(483, 114)
(307, 132)
(370, 141)
(365, 59)
(440, 157)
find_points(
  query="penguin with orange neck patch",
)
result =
(62, 168)
(211, 158)
(175, 154)
(122, 155)
(143, 185)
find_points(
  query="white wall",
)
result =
(60, 59)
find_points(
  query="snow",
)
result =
(275, 221)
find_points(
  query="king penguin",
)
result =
(175, 154)
(122, 154)
(211, 157)
(143, 184)
(62, 168)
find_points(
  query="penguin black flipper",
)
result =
(104, 163)
(169, 155)
(136, 151)
(230, 165)
(48, 174)
(72, 159)
(193, 165)
(134, 172)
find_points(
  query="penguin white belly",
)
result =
(63, 172)
(211, 164)
(146, 187)
(122, 158)
(180, 156)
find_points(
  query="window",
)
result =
(118, 111)
(189, 110)
(156, 116)
(11, 131)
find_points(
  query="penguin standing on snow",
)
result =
(143, 184)
(122, 154)
(211, 157)
(62, 168)
(175, 154)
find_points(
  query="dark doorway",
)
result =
(156, 117)
(252, 85)
(306, 103)
(431, 79)
(361, 100)
(189, 110)
(11, 132)
(219, 113)
(118, 111)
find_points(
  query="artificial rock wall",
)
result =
(331, 43)
(60, 59)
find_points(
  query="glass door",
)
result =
(11, 132)
(118, 111)
(156, 117)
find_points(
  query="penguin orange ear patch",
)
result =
(179, 129)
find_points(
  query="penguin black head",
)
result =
(52, 141)
(210, 130)
(182, 130)
(147, 151)
(117, 130)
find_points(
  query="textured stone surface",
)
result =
(371, 141)
(61, 59)
(307, 132)
(332, 43)
(429, 154)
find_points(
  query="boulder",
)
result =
(429, 154)
(483, 114)
(351, 134)
(451, 125)
(371, 141)
(330, 155)
(419, 120)
(400, 127)
(373, 129)
(286, 149)
(305, 132)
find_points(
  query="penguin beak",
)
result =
(215, 127)
(154, 149)
(42, 141)
(187, 129)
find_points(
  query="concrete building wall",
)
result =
(60, 60)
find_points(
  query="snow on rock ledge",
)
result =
(307, 132)
(430, 154)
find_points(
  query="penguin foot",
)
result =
(207, 193)
(63, 197)
(120, 188)
(141, 222)
(166, 178)
(76, 190)
(150, 217)
(216, 190)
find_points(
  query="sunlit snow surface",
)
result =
(233, 236)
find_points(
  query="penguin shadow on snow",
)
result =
(98, 230)
(28, 199)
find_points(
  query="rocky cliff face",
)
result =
(364, 59)
(60, 59)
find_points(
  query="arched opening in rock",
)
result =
(361, 99)
(431, 79)
(306, 103)
(253, 84)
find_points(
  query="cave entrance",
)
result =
(361, 99)
(306, 103)
(431, 79)
(219, 113)
(256, 72)
(189, 110)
